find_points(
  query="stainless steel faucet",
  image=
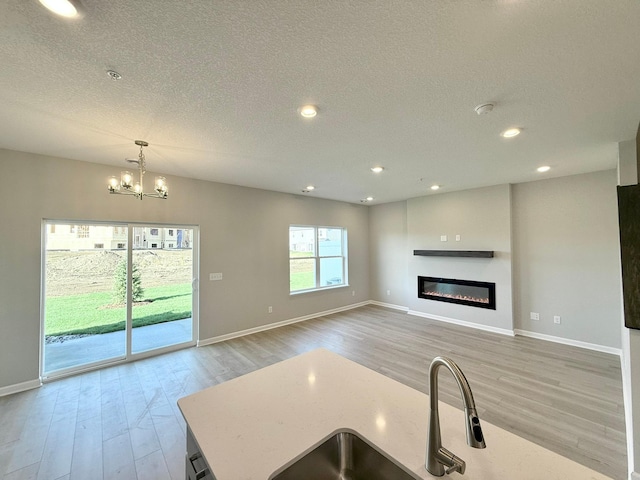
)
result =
(439, 459)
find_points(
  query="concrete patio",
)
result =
(94, 348)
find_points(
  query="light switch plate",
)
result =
(215, 276)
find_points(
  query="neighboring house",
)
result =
(107, 237)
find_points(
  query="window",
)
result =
(154, 232)
(170, 232)
(83, 231)
(317, 257)
(120, 245)
(98, 245)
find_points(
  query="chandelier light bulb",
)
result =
(137, 188)
(113, 184)
(126, 179)
(377, 169)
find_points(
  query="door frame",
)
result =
(128, 356)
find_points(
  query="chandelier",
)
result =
(126, 186)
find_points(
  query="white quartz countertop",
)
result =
(250, 426)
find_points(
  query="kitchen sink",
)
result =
(345, 455)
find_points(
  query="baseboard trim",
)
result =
(389, 305)
(573, 343)
(270, 326)
(634, 476)
(477, 326)
(20, 387)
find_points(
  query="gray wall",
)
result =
(482, 218)
(389, 260)
(567, 257)
(243, 234)
(564, 231)
(564, 260)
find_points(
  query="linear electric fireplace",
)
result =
(463, 292)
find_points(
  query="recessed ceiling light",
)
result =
(435, 187)
(64, 8)
(308, 111)
(310, 187)
(511, 132)
(369, 199)
(544, 168)
(377, 169)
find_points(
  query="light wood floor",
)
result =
(123, 422)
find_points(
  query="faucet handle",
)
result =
(448, 459)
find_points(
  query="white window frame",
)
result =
(317, 257)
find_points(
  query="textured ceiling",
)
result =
(214, 87)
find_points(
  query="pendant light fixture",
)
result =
(126, 186)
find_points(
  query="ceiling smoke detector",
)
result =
(114, 75)
(484, 108)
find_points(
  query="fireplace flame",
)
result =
(457, 297)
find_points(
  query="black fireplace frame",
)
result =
(491, 305)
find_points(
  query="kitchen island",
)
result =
(251, 426)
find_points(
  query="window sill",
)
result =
(315, 290)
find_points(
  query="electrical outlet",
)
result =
(215, 276)
(534, 316)
(556, 319)
(270, 309)
(388, 292)
(443, 238)
(457, 238)
(353, 293)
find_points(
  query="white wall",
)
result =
(243, 234)
(567, 258)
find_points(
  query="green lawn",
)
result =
(302, 280)
(92, 313)
(302, 274)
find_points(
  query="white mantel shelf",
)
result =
(250, 426)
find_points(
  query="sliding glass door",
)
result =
(115, 291)
(162, 279)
